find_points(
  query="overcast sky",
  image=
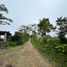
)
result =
(25, 12)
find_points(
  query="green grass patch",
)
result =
(7, 52)
(48, 50)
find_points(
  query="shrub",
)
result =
(52, 49)
(20, 38)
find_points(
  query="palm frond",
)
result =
(3, 8)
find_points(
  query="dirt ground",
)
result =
(27, 56)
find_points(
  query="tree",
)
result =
(4, 20)
(44, 26)
(62, 23)
(20, 38)
(33, 29)
(24, 29)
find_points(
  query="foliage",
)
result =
(16, 40)
(62, 48)
(30, 29)
(4, 20)
(20, 38)
(9, 44)
(52, 49)
(62, 23)
(24, 29)
(44, 26)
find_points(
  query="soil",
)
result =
(28, 56)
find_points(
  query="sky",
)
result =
(24, 12)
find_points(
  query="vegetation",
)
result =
(52, 51)
(4, 20)
(16, 40)
(62, 27)
(44, 26)
(55, 48)
(9, 52)
(20, 38)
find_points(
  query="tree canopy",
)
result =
(45, 26)
(62, 23)
(4, 20)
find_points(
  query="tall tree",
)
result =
(62, 27)
(4, 20)
(44, 26)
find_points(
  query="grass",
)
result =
(9, 51)
(58, 59)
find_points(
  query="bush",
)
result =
(51, 49)
(20, 38)
(16, 40)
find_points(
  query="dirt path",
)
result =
(25, 57)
